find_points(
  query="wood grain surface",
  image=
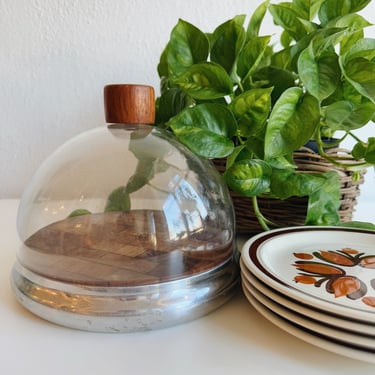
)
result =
(125, 248)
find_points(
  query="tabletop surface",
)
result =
(233, 339)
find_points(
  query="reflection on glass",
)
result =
(115, 206)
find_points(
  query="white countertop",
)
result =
(234, 339)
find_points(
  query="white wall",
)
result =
(56, 56)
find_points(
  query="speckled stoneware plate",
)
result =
(310, 336)
(314, 314)
(330, 268)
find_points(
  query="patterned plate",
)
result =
(309, 336)
(330, 268)
(363, 328)
(342, 336)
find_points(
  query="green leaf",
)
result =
(205, 81)
(229, 39)
(255, 145)
(322, 190)
(244, 152)
(187, 46)
(248, 177)
(348, 92)
(360, 72)
(170, 103)
(365, 151)
(320, 75)
(332, 9)
(251, 56)
(358, 67)
(118, 200)
(287, 18)
(309, 26)
(285, 39)
(143, 174)
(286, 183)
(213, 117)
(240, 19)
(293, 120)
(348, 41)
(352, 21)
(206, 129)
(364, 48)
(150, 160)
(283, 59)
(282, 162)
(236, 155)
(278, 79)
(358, 224)
(324, 41)
(162, 67)
(205, 143)
(140, 140)
(79, 212)
(353, 25)
(256, 20)
(347, 116)
(307, 8)
(324, 203)
(251, 110)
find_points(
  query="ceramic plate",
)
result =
(309, 336)
(332, 333)
(331, 268)
(307, 311)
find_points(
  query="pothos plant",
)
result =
(253, 100)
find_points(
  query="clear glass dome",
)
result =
(124, 206)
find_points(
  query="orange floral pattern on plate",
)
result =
(332, 272)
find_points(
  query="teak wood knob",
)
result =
(129, 104)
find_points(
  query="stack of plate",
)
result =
(317, 283)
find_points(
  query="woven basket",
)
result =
(292, 211)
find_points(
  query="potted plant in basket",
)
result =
(242, 97)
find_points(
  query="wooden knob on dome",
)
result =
(129, 104)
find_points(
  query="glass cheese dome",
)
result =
(123, 228)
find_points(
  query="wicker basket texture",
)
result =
(292, 211)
